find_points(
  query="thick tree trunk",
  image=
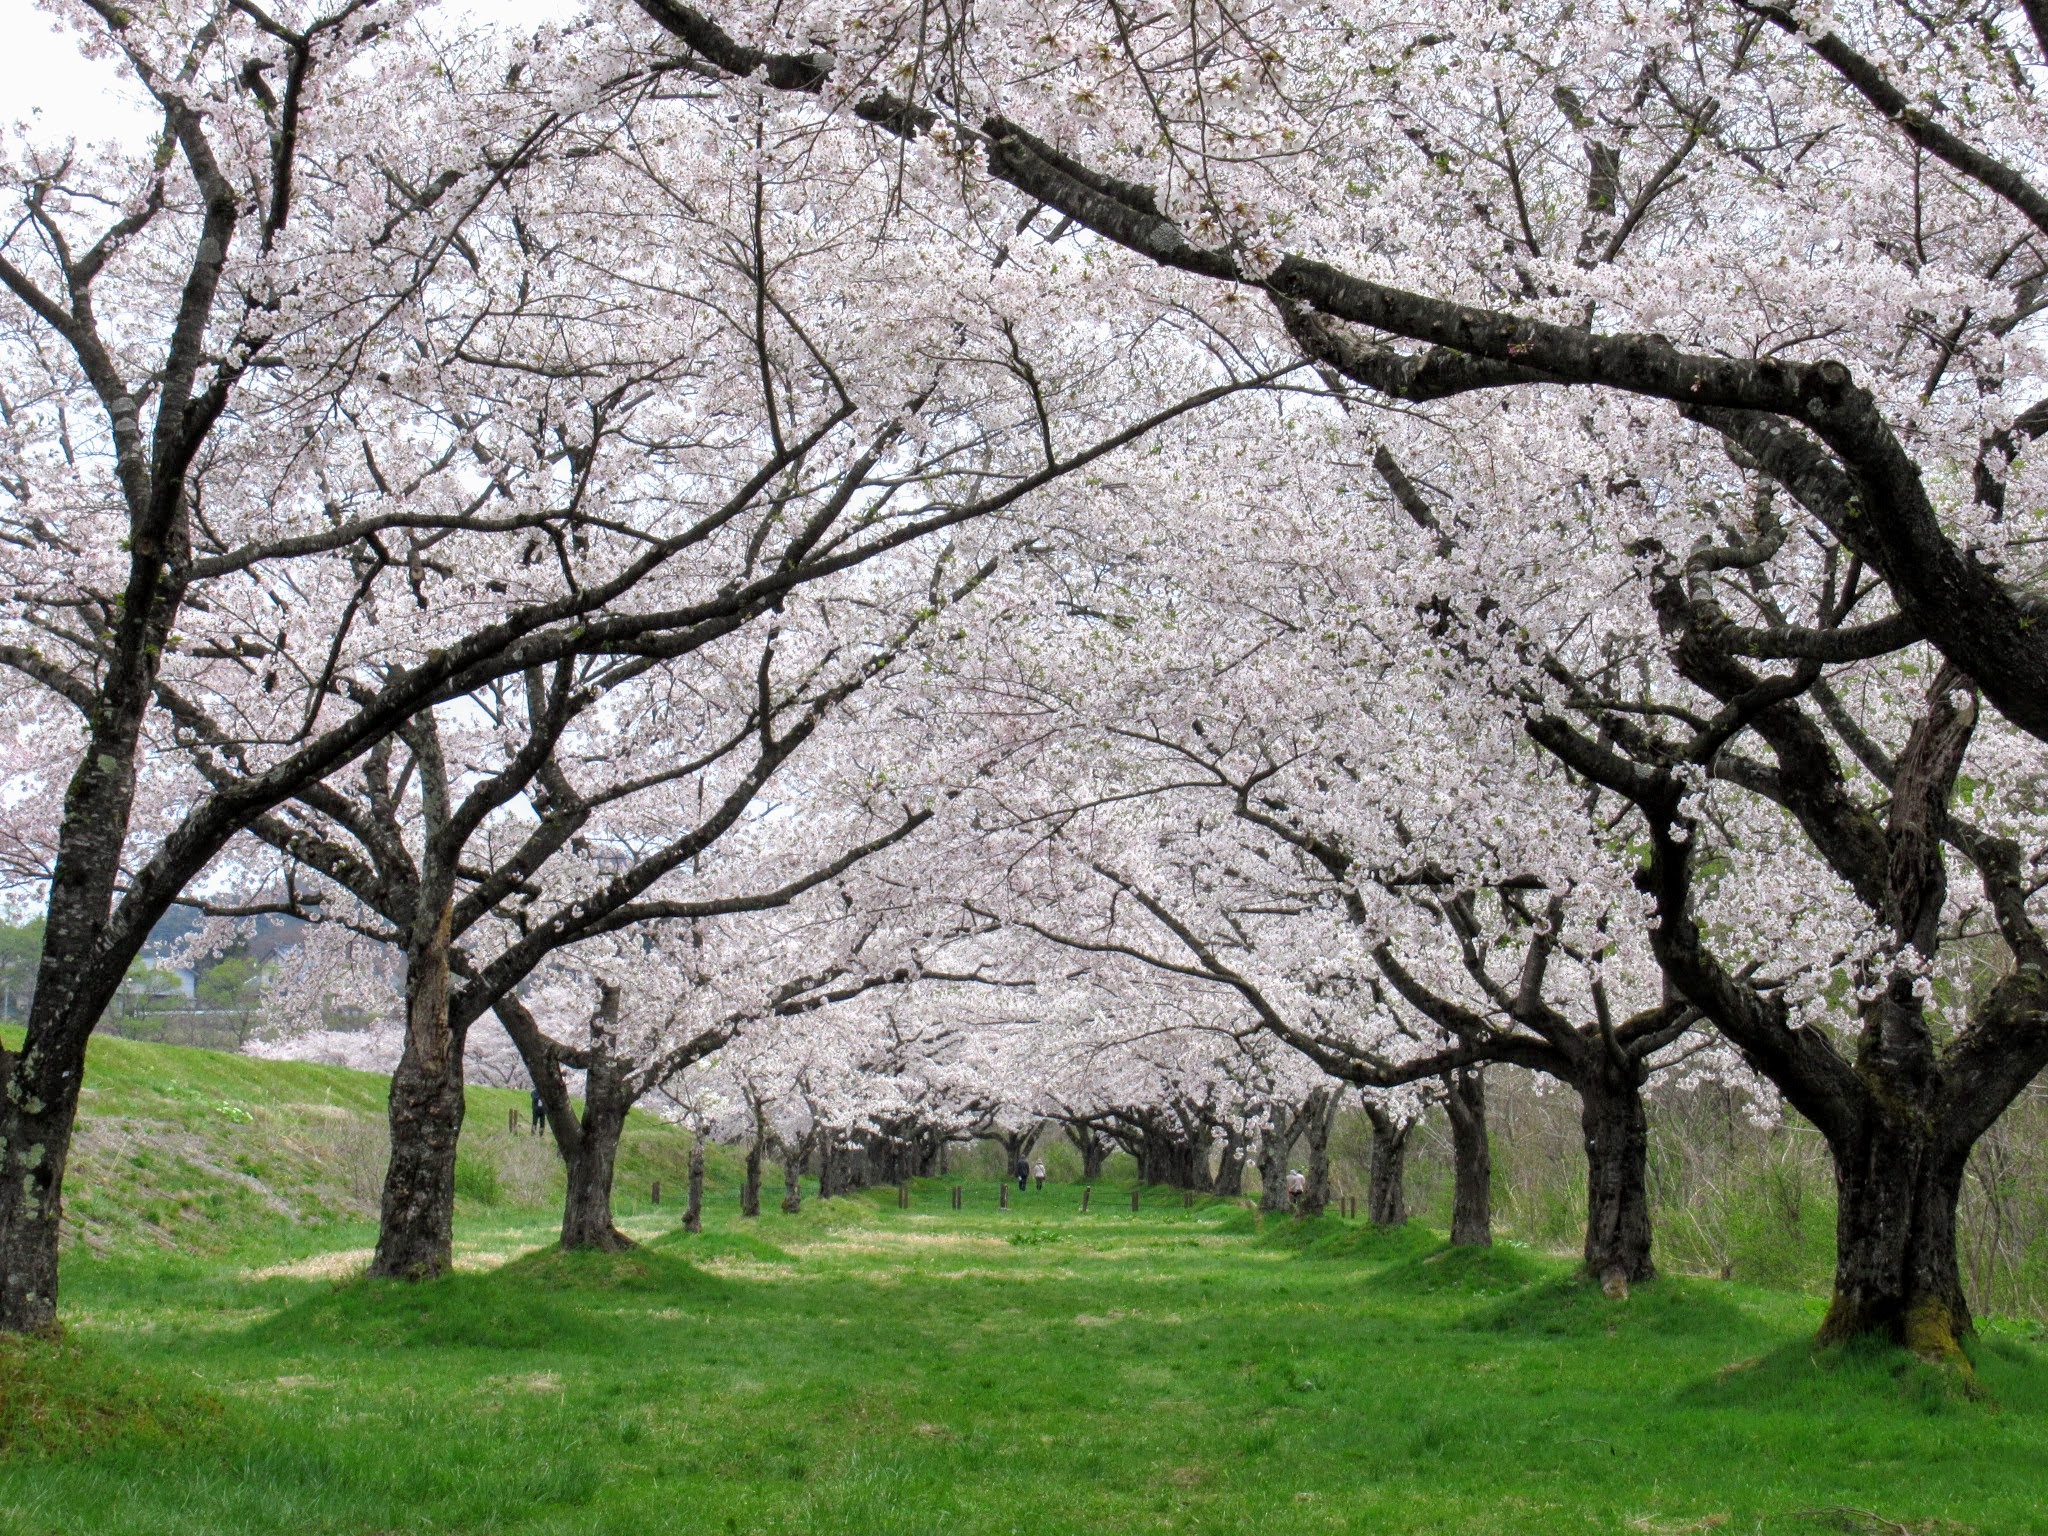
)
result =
(1094, 1157)
(1276, 1144)
(883, 1155)
(1094, 1150)
(1200, 1148)
(750, 1191)
(77, 975)
(1320, 1118)
(1472, 1159)
(828, 1164)
(86, 945)
(1018, 1144)
(1617, 1139)
(1140, 1148)
(792, 1187)
(931, 1154)
(1230, 1166)
(693, 1213)
(38, 1109)
(1386, 1198)
(1167, 1156)
(905, 1149)
(587, 1207)
(1895, 1241)
(846, 1164)
(416, 1225)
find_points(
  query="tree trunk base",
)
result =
(1896, 1278)
(1616, 1134)
(1472, 1159)
(1931, 1328)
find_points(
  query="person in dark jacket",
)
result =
(1023, 1172)
(540, 1113)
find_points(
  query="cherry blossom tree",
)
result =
(173, 318)
(580, 803)
(1572, 195)
(419, 423)
(763, 982)
(1785, 253)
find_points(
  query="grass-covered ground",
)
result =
(193, 1151)
(861, 1369)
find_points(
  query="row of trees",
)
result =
(1364, 545)
(392, 539)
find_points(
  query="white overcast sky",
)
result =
(44, 82)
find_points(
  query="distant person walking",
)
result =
(1297, 1187)
(1038, 1173)
(540, 1113)
(1023, 1175)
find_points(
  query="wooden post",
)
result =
(1187, 1199)
(1086, 1191)
(1134, 1202)
(956, 1197)
(512, 1120)
(657, 1192)
(903, 1196)
(1003, 1195)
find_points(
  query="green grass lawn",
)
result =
(861, 1369)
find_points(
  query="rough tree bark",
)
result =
(416, 1217)
(1900, 1115)
(1617, 1140)
(587, 1208)
(1230, 1162)
(1386, 1200)
(1094, 1149)
(1318, 1119)
(693, 1213)
(589, 1145)
(750, 1190)
(1276, 1145)
(1472, 1158)
(828, 1164)
(792, 1185)
(1896, 1274)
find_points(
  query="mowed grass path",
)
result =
(859, 1369)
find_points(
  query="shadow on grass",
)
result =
(1328, 1238)
(1804, 1377)
(59, 1397)
(1445, 1271)
(699, 1246)
(856, 1208)
(546, 1300)
(1572, 1306)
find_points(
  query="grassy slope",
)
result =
(201, 1152)
(859, 1369)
